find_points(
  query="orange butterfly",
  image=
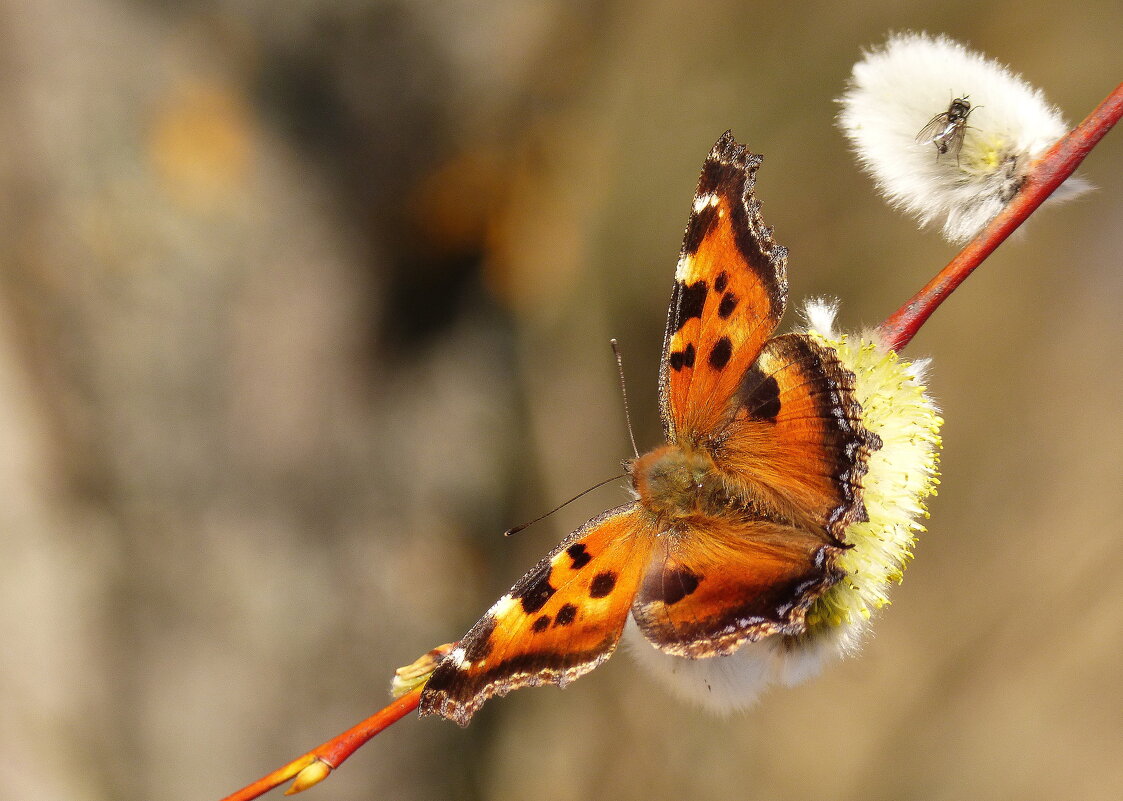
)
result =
(738, 520)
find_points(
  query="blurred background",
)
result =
(302, 304)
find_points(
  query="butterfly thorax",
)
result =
(675, 482)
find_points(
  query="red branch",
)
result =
(314, 767)
(1046, 174)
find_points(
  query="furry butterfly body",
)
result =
(738, 519)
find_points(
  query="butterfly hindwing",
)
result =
(729, 294)
(711, 587)
(559, 621)
(796, 440)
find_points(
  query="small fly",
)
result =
(947, 129)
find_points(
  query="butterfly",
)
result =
(948, 128)
(738, 519)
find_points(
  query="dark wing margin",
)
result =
(729, 295)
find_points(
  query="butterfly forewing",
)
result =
(729, 295)
(559, 621)
(779, 415)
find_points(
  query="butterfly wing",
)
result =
(559, 621)
(779, 415)
(711, 587)
(795, 446)
(729, 295)
(795, 440)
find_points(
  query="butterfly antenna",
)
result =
(624, 392)
(517, 529)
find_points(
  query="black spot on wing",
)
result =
(566, 615)
(677, 584)
(540, 624)
(682, 358)
(687, 302)
(603, 584)
(727, 305)
(726, 167)
(477, 644)
(759, 394)
(697, 227)
(579, 555)
(721, 353)
(534, 588)
(722, 281)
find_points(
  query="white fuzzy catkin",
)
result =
(896, 89)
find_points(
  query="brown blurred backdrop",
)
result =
(301, 304)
